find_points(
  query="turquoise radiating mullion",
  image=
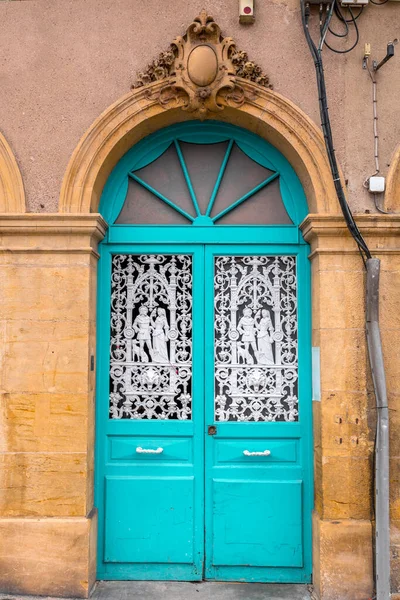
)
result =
(258, 187)
(161, 196)
(219, 178)
(187, 177)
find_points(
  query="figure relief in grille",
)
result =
(151, 326)
(256, 367)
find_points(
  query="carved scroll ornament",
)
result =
(202, 66)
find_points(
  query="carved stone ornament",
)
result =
(202, 66)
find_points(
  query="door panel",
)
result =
(263, 452)
(155, 526)
(151, 398)
(130, 450)
(257, 523)
(258, 490)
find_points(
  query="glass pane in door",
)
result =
(151, 337)
(255, 327)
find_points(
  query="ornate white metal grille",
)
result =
(256, 369)
(151, 327)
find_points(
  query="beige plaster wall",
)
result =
(62, 62)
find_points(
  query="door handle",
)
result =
(264, 453)
(141, 450)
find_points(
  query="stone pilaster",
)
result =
(344, 420)
(48, 267)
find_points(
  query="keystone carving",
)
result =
(202, 67)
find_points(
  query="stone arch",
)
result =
(12, 194)
(392, 195)
(139, 113)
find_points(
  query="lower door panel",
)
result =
(257, 523)
(156, 525)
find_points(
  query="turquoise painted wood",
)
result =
(258, 508)
(151, 507)
(202, 509)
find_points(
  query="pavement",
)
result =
(161, 590)
(157, 590)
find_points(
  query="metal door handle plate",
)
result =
(265, 453)
(141, 450)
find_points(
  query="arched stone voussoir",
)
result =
(140, 113)
(12, 194)
(392, 195)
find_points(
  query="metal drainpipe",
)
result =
(382, 525)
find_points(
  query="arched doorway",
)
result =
(204, 443)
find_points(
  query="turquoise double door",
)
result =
(204, 443)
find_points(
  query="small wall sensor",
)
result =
(376, 184)
(246, 11)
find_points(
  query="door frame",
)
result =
(127, 236)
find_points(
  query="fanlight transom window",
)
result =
(191, 183)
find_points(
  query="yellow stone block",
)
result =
(346, 487)
(44, 422)
(391, 357)
(394, 425)
(60, 258)
(389, 296)
(345, 429)
(343, 359)
(49, 557)
(340, 299)
(342, 559)
(45, 356)
(394, 488)
(45, 292)
(395, 558)
(90, 450)
(43, 484)
(344, 257)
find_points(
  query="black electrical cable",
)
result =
(355, 43)
(345, 21)
(340, 35)
(379, 3)
(329, 144)
(326, 126)
(341, 16)
(323, 26)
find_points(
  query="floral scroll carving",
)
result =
(202, 67)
